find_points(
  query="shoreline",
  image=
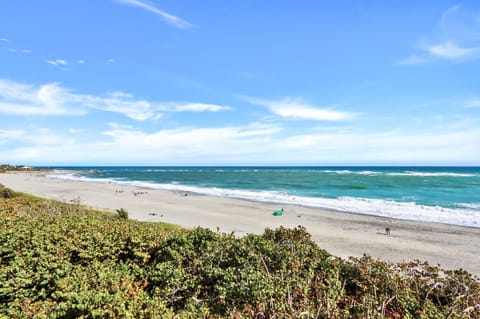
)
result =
(458, 213)
(342, 234)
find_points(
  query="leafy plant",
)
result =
(62, 260)
(122, 213)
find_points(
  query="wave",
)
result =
(168, 170)
(431, 174)
(468, 215)
(475, 206)
(406, 173)
(345, 172)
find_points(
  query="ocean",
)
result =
(448, 195)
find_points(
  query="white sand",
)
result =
(342, 234)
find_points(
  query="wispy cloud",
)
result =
(53, 99)
(446, 14)
(414, 59)
(196, 107)
(80, 61)
(111, 61)
(388, 146)
(47, 99)
(456, 40)
(57, 62)
(167, 17)
(447, 51)
(450, 50)
(297, 109)
(39, 136)
(244, 144)
(26, 51)
(3, 40)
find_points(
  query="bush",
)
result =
(68, 261)
(122, 213)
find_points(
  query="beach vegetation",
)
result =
(61, 260)
(122, 213)
(15, 168)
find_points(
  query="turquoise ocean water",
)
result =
(440, 194)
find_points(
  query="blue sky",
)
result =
(137, 82)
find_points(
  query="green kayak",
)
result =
(278, 212)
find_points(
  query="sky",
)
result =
(164, 82)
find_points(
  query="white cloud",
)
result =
(39, 137)
(197, 107)
(47, 99)
(80, 61)
(122, 143)
(192, 143)
(139, 110)
(457, 39)
(451, 51)
(111, 61)
(4, 40)
(254, 143)
(24, 51)
(394, 146)
(53, 99)
(167, 17)
(57, 62)
(295, 108)
(447, 50)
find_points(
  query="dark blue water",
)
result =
(442, 194)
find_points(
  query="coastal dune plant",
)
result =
(62, 260)
(122, 213)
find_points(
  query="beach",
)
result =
(342, 234)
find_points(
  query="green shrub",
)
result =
(122, 213)
(68, 261)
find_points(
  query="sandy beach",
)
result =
(342, 234)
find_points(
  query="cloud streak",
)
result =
(53, 99)
(295, 108)
(451, 51)
(47, 99)
(167, 17)
(196, 107)
(57, 62)
(446, 14)
(255, 143)
(458, 42)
